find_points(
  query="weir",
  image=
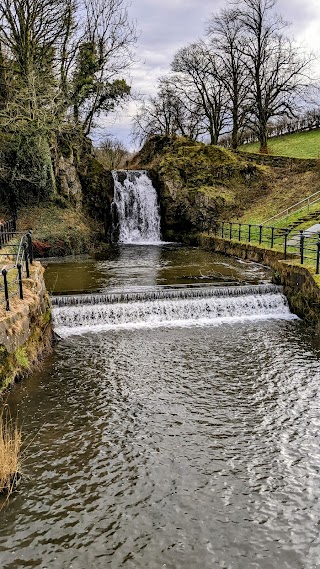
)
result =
(136, 217)
(175, 307)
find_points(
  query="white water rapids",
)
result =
(176, 307)
(136, 202)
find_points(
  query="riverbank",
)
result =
(25, 331)
(300, 283)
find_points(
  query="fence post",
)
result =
(239, 232)
(222, 229)
(301, 246)
(272, 237)
(230, 230)
(19, 267)
(26, 260)
(260, 234)
(30, 246)
(286, 243)
(318, 255)
(6, 290)
(249, 232)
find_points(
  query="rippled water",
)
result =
(191, 448)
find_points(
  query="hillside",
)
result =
(298, 145)
(200, 183)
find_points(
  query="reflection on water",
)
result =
(176, 448)
(132, 266)
(181, 448)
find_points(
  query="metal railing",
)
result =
(7, 229)
(17, 256)
(310, 200)
(304, 245)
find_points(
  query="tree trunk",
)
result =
(263, 139)
(235, 134)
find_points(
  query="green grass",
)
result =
(297, 216)
(298, 145)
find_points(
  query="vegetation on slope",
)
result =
(286, 188)
(298, 145)
(201, 183)
(59, 231)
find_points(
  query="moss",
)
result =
(22, 358)
(17, 365)
(198, 183)
(98, 191)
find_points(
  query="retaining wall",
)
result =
(301, 285)
(299, 164)
(25, 331)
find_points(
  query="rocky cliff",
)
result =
(198, 183)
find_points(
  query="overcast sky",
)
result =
(167, 25)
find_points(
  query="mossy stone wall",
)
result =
(25, 331)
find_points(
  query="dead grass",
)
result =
(10, 449)
(59, 231)
(285, 188)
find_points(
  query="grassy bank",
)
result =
(285, 188)
(59, 231)
(298, 145)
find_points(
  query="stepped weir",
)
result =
(181, 306)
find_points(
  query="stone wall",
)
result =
(300, 284)
(299, 164)
(25, 331)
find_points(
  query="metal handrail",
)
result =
(20, 263)
(305, 244)
(286, 211)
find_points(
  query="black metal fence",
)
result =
(7, 230)
(305, 245)
(17, 256)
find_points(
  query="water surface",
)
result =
(129, 266)
(191, 448)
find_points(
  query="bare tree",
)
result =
(200, 75)
(112, 154)
(275, 66)
(80, 49)
(225, 31)
(171, 112)
(103, 55)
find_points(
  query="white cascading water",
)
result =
(176, 307)
(137, 206)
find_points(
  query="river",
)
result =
(182, 446)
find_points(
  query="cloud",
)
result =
(167, 25)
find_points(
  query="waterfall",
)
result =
(135, 208)
(175, 307)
